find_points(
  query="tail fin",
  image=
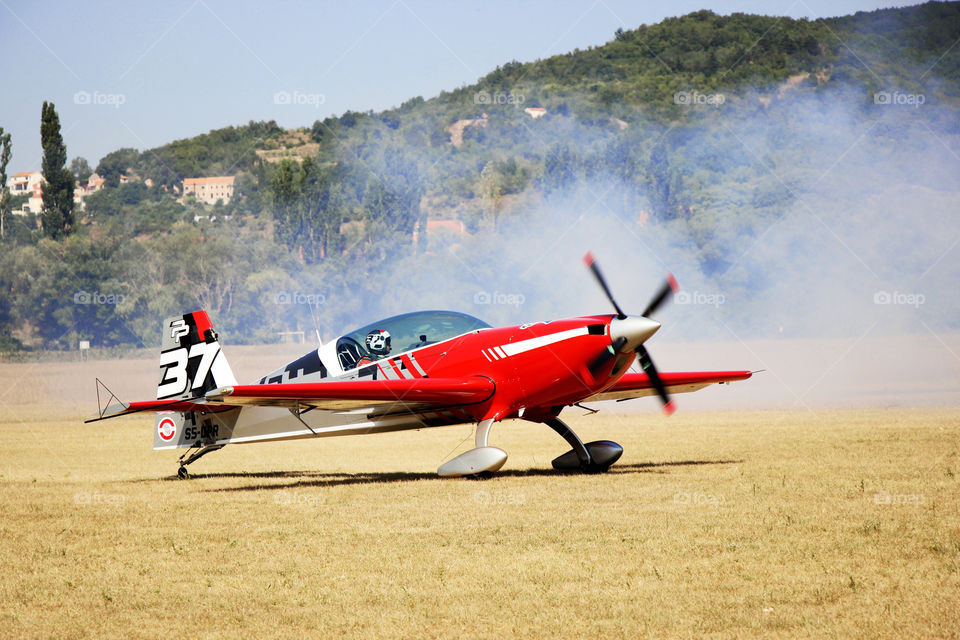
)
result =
(191, 364)
(191, 361)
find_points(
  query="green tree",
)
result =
(309, 204)
(80, 169)
(285, 192)
(407, 181)
(391, 204)
(321, 208)
(57, 213)
(559, 169)
(115, 163)
(312, 187)
(75, 288)
(492, 190)
(7, 274)
(658, 180)
(5, 146)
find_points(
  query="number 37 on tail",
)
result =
(412, 371)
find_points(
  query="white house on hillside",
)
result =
(30, 183)
(27, 183)
(23, 183)
(209, 190)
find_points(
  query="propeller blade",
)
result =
(606, 355)
(592, 264)
(648, 367)
(669, 286)
(610, 352)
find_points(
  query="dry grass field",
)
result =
(732, 524)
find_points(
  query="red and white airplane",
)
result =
(412, 371)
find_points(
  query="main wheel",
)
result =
(182, 473)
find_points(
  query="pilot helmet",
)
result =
(378, 342)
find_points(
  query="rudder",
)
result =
(191, 359)
(192, 363)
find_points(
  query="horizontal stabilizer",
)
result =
(123, 409)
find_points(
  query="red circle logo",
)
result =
(167, 428)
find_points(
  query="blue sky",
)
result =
(128, 74)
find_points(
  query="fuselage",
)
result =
(538, 368)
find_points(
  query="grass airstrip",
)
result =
(732, 524)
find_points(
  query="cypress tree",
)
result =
(4, 191)
(57, 215)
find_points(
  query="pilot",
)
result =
(378, 345)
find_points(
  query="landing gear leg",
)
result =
(182, 472)
(480, 461)
(593, 457)
(582, 455)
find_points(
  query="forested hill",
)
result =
(688, 139)
(711, 52)
(645, 69)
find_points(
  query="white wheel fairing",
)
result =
(473, 462)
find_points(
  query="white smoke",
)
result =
(847, 291)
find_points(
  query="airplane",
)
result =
(413, 371)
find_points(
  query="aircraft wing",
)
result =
(637, 385)
(340, 395)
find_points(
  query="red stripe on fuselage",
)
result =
(405, 358)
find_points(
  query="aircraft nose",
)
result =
(635, 329)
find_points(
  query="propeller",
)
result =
(635, 330)
(646, 363)
(592, 264)
(670, 286)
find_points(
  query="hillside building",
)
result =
(24, 183)
(209, 190)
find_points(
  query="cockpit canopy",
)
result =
(407, 331)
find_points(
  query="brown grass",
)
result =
(840, 523)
